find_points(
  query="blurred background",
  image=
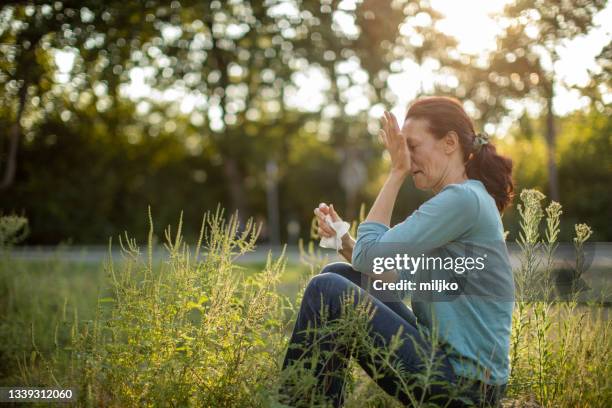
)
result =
(271, 107)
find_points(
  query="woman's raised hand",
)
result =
(395, 143)
(321, 211)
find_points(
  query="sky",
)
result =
(576, 58)
(469, 21)
(472, 24)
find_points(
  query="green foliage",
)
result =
(194, 331)
(39, 302)
(559, 349)
(13, 229)
(584, 146)
(89, 154)
(242, 119)
(521, 65)
(197, 330)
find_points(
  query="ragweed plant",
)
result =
(198, 330)
(557, 346)
(531, 215)
(583, 233)
(193, 332)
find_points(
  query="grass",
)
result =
(38, 302)
(41, 297)
(200, 330)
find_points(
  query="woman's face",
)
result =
(428, 158)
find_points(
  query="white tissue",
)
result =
(335, 242)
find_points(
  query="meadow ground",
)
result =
(42, 298)
(199, 329)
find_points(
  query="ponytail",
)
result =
(494, 171)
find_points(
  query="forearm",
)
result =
(348, 243)
(385, 201)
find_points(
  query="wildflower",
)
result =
(583, 232)
(554, 210)
(531, 197)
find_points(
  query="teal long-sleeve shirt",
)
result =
(460, 221)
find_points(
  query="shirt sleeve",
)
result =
(442, 219)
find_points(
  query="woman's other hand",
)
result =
(321, 211)
(395, 143)
(324, 230)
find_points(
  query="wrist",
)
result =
(347, 240)
(398, 174)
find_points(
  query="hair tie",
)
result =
(480, 139)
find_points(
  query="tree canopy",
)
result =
(260, 106)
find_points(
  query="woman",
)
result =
(438, 146)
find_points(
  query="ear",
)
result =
(451, 142)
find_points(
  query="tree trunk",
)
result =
(234, 180)
(272, 201)
(551, 136)
(231, 171)
(14, 139)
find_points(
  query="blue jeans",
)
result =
(327, 289)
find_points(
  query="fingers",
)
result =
(393, 123)
(392, 132)
(389, 123)
(390, 129)
(382, 136)
(333, 213)
(323, 229)
(320, 215)
(325, 233)
(385, 122)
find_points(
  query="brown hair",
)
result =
(481, 161)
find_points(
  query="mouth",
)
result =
(414, 173)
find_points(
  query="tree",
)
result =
(357, 47)
(24, 71)
(241, 61)
(522, 66)
(30, 33)
(600, 85)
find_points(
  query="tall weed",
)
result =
(194, 332)
(560, 348)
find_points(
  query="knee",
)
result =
(325, 283)
(338, 268)
(320, 281)
(330, 290)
